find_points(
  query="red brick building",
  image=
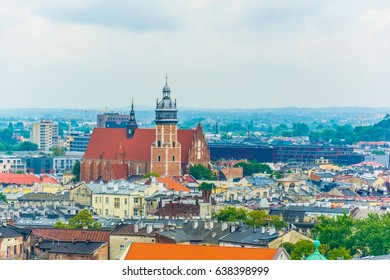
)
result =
(116, 153)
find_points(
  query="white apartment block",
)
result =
(45, 134)
(9, 164)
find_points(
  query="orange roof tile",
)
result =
(25, 179)
(104, 143)
(172, 185)
(157, 251)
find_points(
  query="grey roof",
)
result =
(189, 233)
(246, 235)
(61, 247)
(121, 188)
(6, 232)
(41, 197)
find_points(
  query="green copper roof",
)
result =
(316, 255)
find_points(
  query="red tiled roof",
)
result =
(172, 185)
(25, 179)
(158, 251)
(105, 142)
(72, 234)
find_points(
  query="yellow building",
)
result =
(119, 200)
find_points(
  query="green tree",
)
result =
(231, 214)
(207, 186)
(336, 231)
(256, 218)
(58, 151)
(277, 174)
(83, 220)
(76, 172)
(300, 129)
(278, 222)
(60, 225)
(3, 146)
(151, 174)
(302, 249)
(249, 168)
(201, 172)
(372, 235)
(3, 197)
(26, 146)
(339, 253)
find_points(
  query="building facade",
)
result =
(78, 142)
(118, 153)
(112, 120)
(45, 134)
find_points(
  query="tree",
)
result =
(76, 172)
(336, 231)
(60, 225)
(277, 174)
(201, 172)
(151, 174)
(277, 222)
(339, 253)
(256, 218)
(372, 235)
(3, 197)
(207, 186)
(249, 168)
(83, 220)
(231, 214)
(302, 249)
(58, 151)
(26, 146)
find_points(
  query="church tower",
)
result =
(166, 150)
(131, 125)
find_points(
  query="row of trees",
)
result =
(255, 218)
(337, 134)
(344, 237)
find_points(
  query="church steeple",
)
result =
(132, 123)
(166, 111)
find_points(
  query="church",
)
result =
(118, 153)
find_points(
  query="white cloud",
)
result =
(221, 53)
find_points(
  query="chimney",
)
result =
(224, 226)
(136, 228)
(232, 228)
(271, 231)
(149, 228)
(262, 229)
(194, 224)
(206, 196)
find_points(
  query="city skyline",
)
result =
(218, 54)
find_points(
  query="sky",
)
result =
(217, 54)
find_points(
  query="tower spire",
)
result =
(132, 123)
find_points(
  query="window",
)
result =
(173, 144)
(106, 212)
(121, 247)
(125, 201)
(15, 249)
(96, 201)
(159, 158)
(8, 251)
(159, 143)
(107, 200)
(125, 213)
(173, 158)
(21, 248)
(117, 203)
(135, 199)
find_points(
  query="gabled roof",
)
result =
(157, 251)
(169, 184)
(105, 142)
(72, 234)
(6, 232)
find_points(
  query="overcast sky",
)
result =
(218, 54)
